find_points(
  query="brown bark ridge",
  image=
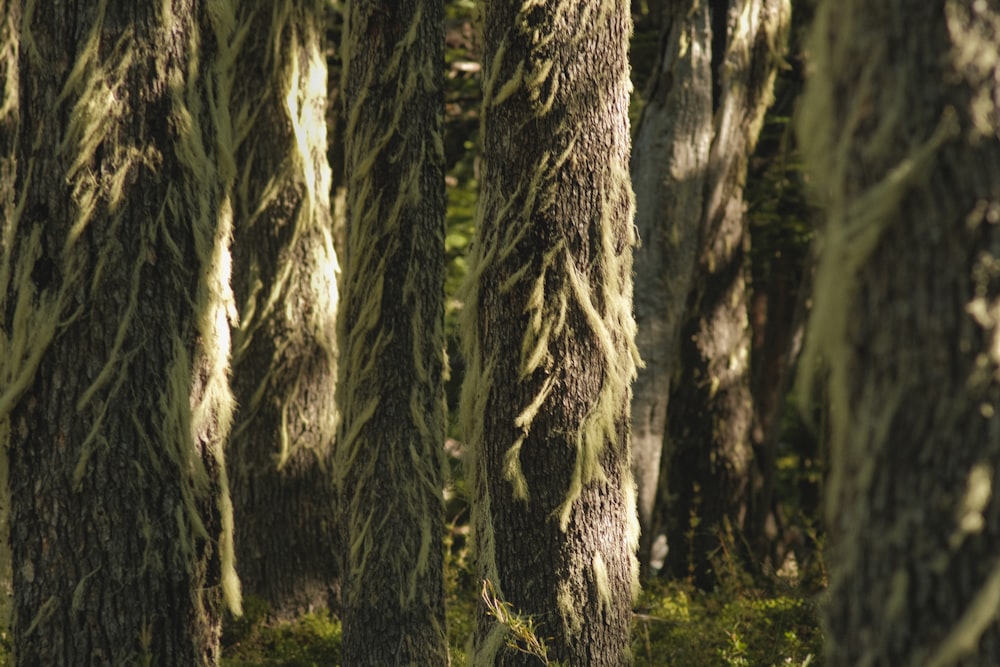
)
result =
(549, 335)
(669, 170)
(390, 392)
(115, 335)
(900, 127)
(285, 282)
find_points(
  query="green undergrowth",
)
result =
(676, 624)
(309, 641)
(740, 624)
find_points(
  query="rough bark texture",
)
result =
(713, 84)
(284, 266)
(669, 171)
(10, 22)
(549, 334)
(390, 450)
(115, 335)
(902, 133)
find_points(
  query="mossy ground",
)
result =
(740, 624)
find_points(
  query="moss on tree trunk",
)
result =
(900, 128)
(285, 282)
(115, 337)
(390, 449)
(549, 334)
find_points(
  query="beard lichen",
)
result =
(390, 322)
(295, 301)
(573, 298)
(854, 225)
(101, 102)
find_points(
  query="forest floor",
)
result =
(742, 623)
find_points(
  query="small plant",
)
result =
(523, 635)
(307, 641)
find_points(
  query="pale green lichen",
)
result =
(98, 111)
(853, 226)
(601, 583)
(391, 438)
(293, 58)
(569, 602)
(45, 612)
(842, 135)
(966, 632)
(553, 286)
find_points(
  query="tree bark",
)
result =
(115, 337)
(285, 282)
(669, 171)
(549, 335)
(10, 22)
(390, 450)
(900, 128)
(718, 64)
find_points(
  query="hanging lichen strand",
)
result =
(390, 392)
(900, 126)
(284, 363)
(115, 335)
(548, 329)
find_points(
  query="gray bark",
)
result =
(669, 172)
(692, 408)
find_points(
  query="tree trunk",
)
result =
(284, 365)
(390, 453)
(669, 170)
(549, 335)
(10, 23)
(780, 276)
(716, 73)
(712, 411)
(115, 337)
(900, 129)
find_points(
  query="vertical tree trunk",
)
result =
(549, 334)
(390, 448)
(10, 23)
(900, 128)
(115, 337)
(719, 61)
(284, 365)
(711, 407)
(669, 171)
